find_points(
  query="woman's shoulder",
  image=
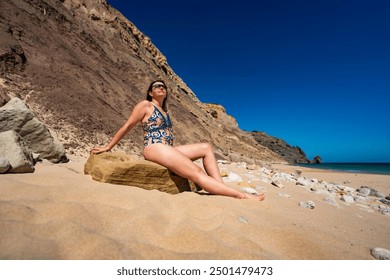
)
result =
(144, 104)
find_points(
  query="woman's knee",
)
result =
(207, 148)
(196, 175)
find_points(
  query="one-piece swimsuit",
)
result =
(158, 129)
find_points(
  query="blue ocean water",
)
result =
(372, 168)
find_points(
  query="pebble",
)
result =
(364, 191)
(277, 183)
(249, 190)
(307, 204)
(233, 177)
(384, 211)
(385, 201)
(330, 200)
(243, 220)
(347, 198)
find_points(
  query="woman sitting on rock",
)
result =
(158, 142)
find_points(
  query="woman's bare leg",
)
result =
(206, 153)
(179, 163)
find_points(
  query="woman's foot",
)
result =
(258, 197)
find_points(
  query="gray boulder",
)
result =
(14, 150)
(15, 115)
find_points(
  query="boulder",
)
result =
(120, 168)
(14, 150)
(15, 115)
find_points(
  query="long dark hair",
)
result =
(149, 97)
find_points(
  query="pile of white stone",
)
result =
(364, 196)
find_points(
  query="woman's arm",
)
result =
(136, 116)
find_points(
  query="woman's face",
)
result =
(159, 88)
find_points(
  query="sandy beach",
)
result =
(59, 213)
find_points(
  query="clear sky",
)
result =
(313, 73)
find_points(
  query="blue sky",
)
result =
(313, 73)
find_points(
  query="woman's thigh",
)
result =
(172, 159)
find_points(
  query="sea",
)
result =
(372, 168)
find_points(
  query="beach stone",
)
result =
(302, 181)
(283, 176)
(385, 201)
(307, 204)
(243, 220)
(120, 168)
(347, 198)
(380, 253)
(266, 180)
(384, 211)
(4, 165)
(249, 190)
(331, 187)
(330, 200)
(340, 187)
(251, 167)
(14, 150)
(233, 177)
(286, 195)
(349, 189)
(377, 193)
(265, 171)
(277, 184)
(364, 191)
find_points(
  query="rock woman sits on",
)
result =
(158, 145)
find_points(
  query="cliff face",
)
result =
(81, 67)
(291, 154)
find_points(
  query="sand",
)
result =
(59, 213)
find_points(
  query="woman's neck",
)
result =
(158, 102)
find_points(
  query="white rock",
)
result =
(277, 183)
(381, 254)
(347, 198)
(307, 204)
(330, 200)
(232, 177)
(249, 190)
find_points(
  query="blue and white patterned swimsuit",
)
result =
(158, 129)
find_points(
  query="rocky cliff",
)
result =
(81, 66)
(291, 154)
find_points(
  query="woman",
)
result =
(158, 142)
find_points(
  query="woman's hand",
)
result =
(98, 150)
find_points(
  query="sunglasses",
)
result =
(159, 86)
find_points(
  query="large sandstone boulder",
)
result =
(15, 115)
(120, 168)
(13, 150)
